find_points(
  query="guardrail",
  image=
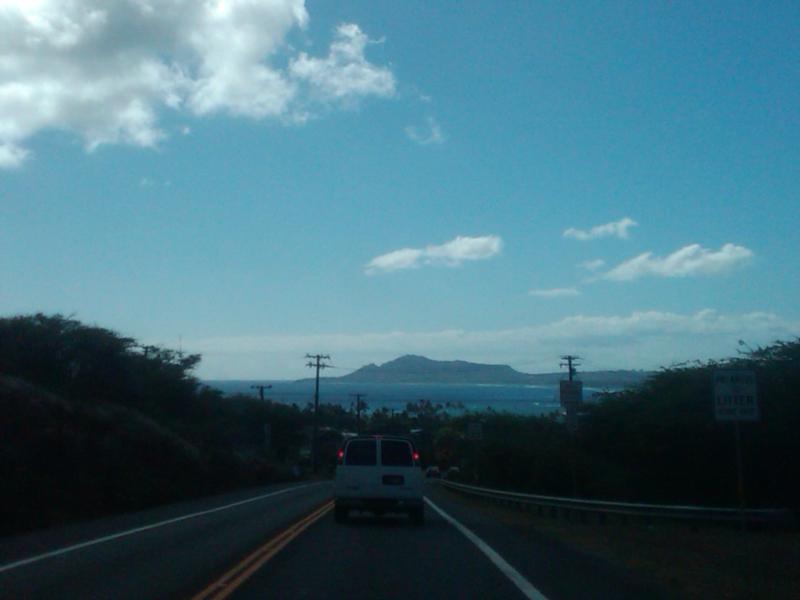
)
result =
(565, 506)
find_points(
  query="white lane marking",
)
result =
(114, 536)
(516, 578)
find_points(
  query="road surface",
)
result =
(282, 542)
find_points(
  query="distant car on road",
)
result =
(379, 474)
(433, 471)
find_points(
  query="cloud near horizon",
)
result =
(449, 254)
(618, 229)
(641, 339)
(104, 70)
(691, 260)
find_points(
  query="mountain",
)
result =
(418, 369)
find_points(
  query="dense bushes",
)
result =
(94, 423)
(665, 436)
(658, 442)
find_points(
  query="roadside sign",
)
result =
(735, 395)
(571, 393)
(475, 430)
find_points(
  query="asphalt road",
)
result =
(182, 548)
(177, 551)
(389, 557)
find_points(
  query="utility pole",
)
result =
(358, 398)
(315, 361)
(261, 389)
(572, 420)
(570, 360)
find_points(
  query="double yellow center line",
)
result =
(227, 584)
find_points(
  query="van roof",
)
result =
(382, 437)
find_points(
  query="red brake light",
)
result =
(340, 454)
(416, 456)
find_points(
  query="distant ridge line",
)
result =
(419, 369)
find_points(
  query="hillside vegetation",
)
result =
(658, 442)
(95, 423)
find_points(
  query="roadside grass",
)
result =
(707, 561)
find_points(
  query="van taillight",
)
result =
(340, 455)
(416, 456)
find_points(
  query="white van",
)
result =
(379, 474)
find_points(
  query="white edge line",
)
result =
(516, 578)
(114, 536)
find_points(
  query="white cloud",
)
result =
(344, 74)
(104, 70)
(618, 229)
(449, 254)
(433, 134)
(642, 339)
(593, 265)
(405, 258)
(555, 293)
(687, 261)
(11, 155)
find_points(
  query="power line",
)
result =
(315, 362)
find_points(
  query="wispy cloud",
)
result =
(432, 135)
(618, 229)
(148, 182)
(692, 260)
(555, 293)
(132, 60)
(449, 254)
(593, 265)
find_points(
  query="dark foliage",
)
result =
(664, 435)
(656, 443)
(95, 423)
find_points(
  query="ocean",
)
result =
(517, 399)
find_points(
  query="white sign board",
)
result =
(571, 393)
(735, 397)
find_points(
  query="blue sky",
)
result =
(500, 183)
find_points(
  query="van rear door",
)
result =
(400, 477)
(361, 476)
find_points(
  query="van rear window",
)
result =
(362, 453)
(396, 454)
